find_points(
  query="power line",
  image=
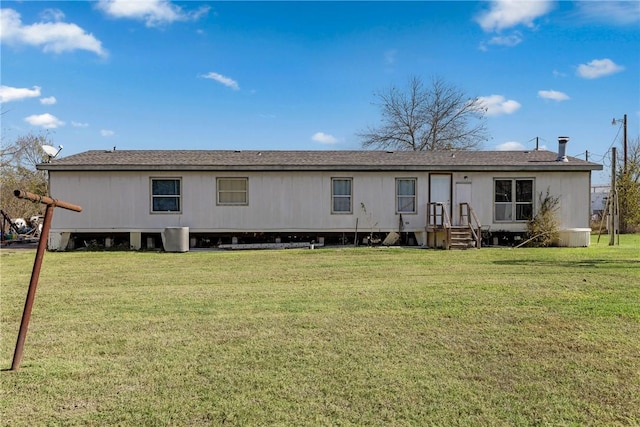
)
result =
(605, 159)
(614, 139)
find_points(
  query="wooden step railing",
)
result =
(468, 218)
(438, 219)
(467, 234)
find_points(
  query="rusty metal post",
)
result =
(33, 284)
(37, 265)
(46, 200)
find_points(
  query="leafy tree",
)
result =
(17, 171)
(628, 187)
(438, 117)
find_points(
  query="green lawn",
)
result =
(367, 336)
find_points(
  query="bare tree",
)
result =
(439, 117)
(25, 151)
(17, 171)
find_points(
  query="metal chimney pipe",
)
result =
(562, 149)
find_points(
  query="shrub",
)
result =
(542, 228)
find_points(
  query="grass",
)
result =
(326, 337)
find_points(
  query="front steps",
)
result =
(462, 238)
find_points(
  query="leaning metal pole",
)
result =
(37, 264)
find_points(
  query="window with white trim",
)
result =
(405, 195)
(513, 200)
(233, 191)
(165, 195)
(341, 195)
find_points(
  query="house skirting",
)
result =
(61, 240)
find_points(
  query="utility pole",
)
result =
(624, 164)
(624, 139)
(624, 146)
(612, 200)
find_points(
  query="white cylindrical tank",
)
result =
(574, 237)
(175, 239)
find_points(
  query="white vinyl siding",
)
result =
(293, 201)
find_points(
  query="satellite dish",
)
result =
(51, 151)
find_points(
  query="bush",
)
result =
(542, 229)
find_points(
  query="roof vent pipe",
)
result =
(562, 149)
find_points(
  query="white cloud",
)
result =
(46, 121)
(56, 37)
(228, 82)
(598, 68)
(511, 146)
(54, 15)
(610, 12)
(48, 101)
(510, 40)
(324, 138)
(107, 133)
(504, 14)
(79, 125)
(497, 105)
(8, 93)
(553, 95)
(153, 12)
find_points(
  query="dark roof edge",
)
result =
(274, 168)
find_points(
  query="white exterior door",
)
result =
(440, 192)
(462, 195)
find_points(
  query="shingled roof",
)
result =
(216, 160)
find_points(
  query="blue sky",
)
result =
(301, 75)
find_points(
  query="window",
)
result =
(406, 195)
(341, 195)
(513, 197)
(165, 194)
(233, 191)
